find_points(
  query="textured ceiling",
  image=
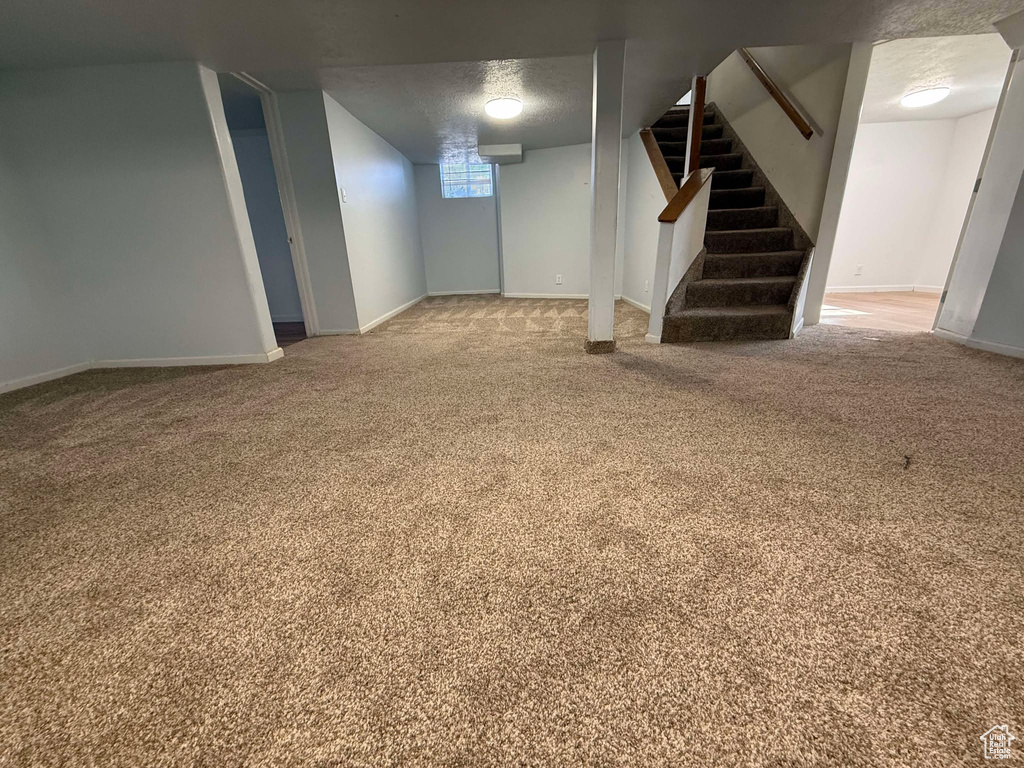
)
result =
(973, 67)
(302, 43)
(434, 112)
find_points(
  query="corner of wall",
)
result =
(236, 203)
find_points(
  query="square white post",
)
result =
(609, 57)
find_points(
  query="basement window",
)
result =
(466, 180)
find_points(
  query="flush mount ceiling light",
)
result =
(503, 109)
(924, 98)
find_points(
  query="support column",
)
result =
(835, 188)
(606, 147)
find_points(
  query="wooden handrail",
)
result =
(661, 169)
(697, 93)
(787, 106)
(693, 184)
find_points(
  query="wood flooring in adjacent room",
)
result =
(884, 310)
(460, 541)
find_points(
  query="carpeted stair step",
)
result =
(727, 323)
(676, 118)
(746, 197)
(726, 162)
(669, 134)
(678, 147)
(676, 163)
(732, 179)
(749, 240)
(742, 218)
(715, 146)
(672, 148)
(738, 291)
(776, 264)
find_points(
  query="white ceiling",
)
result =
(973, 67)
(310, 43)
(435, 112)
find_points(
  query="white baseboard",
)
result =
(985, 346)
(866, 288)
(179, 362)
(152, 362)
(387, 316)
(882, 288)
(338, 332)
(546, 295)
(464, 293)
(40, 378)
(636, 304)
(652, 339)
(797, 328)
(287, 319)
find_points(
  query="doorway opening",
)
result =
(253, 136)
(927, 115)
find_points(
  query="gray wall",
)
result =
(38, 334)
(308, 145)
(1001, 319)
(263, 202)
(460, 237)
(131, 179)
(381, 224)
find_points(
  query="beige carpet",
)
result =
(460, 541)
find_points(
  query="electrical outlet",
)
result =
(859, 269)
(344, 195)
(647, 284)
(558, 279)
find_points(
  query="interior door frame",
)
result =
(275, 134)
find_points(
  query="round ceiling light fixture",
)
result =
(503, 109)
(924, 98)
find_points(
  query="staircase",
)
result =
(746, 283)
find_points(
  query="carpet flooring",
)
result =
(461, 541)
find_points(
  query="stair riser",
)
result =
(678, 148)
(722, 162)
(702, 294)
(676, 163)
(715, 146)
(753, 241)
(753, 265)
(732, 179)
(737, 198)
(743, 218)
(683, 328)
(724, 179)
(672, 148)
(681, 120)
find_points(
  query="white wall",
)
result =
(970, 135)
(1001, 318)
(382, 235)
(39, 338)
(644, 201)
(134, 182)
(545, 222)
(906, 197)
(308, 147)
(263, 203)
(459, 237)
(814, 77)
